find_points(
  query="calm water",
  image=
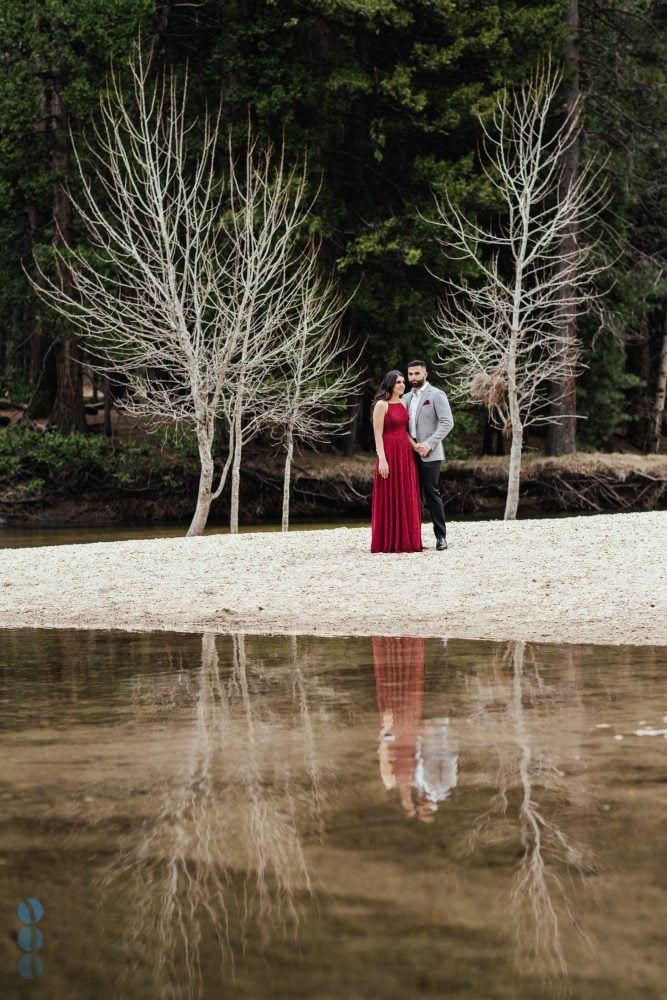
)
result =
(257, 817)
(15, 537)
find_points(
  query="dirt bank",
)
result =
(337, 488)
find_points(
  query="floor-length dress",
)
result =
(396, 507)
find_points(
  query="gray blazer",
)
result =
(434, 420)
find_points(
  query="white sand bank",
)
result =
(598, 579)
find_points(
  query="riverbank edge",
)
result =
(330, 486)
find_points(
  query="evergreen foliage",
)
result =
(383, 95)
(624, 76)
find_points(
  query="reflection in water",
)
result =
(313, 788)
(418, 758)
(275, 865)
(437, 762)
(208, 770)
(536, 730)
(225, 847)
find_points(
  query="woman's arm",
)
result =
(379, 412)
(413, 443)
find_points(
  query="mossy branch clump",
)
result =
(490, 389)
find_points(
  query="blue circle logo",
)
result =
(30, 966)
(30, 939)
(30, 911)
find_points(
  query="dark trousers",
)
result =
(429, 480)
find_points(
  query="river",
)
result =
(296, 818)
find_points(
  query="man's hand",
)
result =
(422, 449)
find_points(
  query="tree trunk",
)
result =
(235, 491)
(42, 364)
(108, 429)
(562, 433)
(200, 516)
(516, 451)
(658, 408)
(493, 439)
(237, 433)
(514, 476)
(68, 414)
(641, 432)
(287, 479)
(42, 375)
(355, 403)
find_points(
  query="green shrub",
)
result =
(32, 486)
(34, 460)
(63, 460)
(10, 466)
(602, 392)
(467, 424)
(178, 442)
(16, 389)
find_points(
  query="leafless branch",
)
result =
(508, 327)
(188, 277)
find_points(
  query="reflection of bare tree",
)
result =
(311, 756)
(533, 747)
(270, 820)
(224, 851)
(180, 868)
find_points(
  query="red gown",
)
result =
(395, 507)
(399, 687)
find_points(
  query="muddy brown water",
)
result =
(273, 817)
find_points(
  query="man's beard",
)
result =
(417, 383)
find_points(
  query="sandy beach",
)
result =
(599, 579)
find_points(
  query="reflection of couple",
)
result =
(417, 757)
(409, 428)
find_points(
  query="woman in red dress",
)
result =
(399, 686)
(395, 507)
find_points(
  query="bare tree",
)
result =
(146, 300)
(267, 208)
(189, 279)
(316, 371)
(507, 333)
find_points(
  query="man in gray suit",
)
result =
(430, 422)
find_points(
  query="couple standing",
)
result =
(409, 428)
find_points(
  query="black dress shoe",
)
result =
(440, 544)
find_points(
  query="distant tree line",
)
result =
(385, 97)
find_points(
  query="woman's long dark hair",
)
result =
(386, 387)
